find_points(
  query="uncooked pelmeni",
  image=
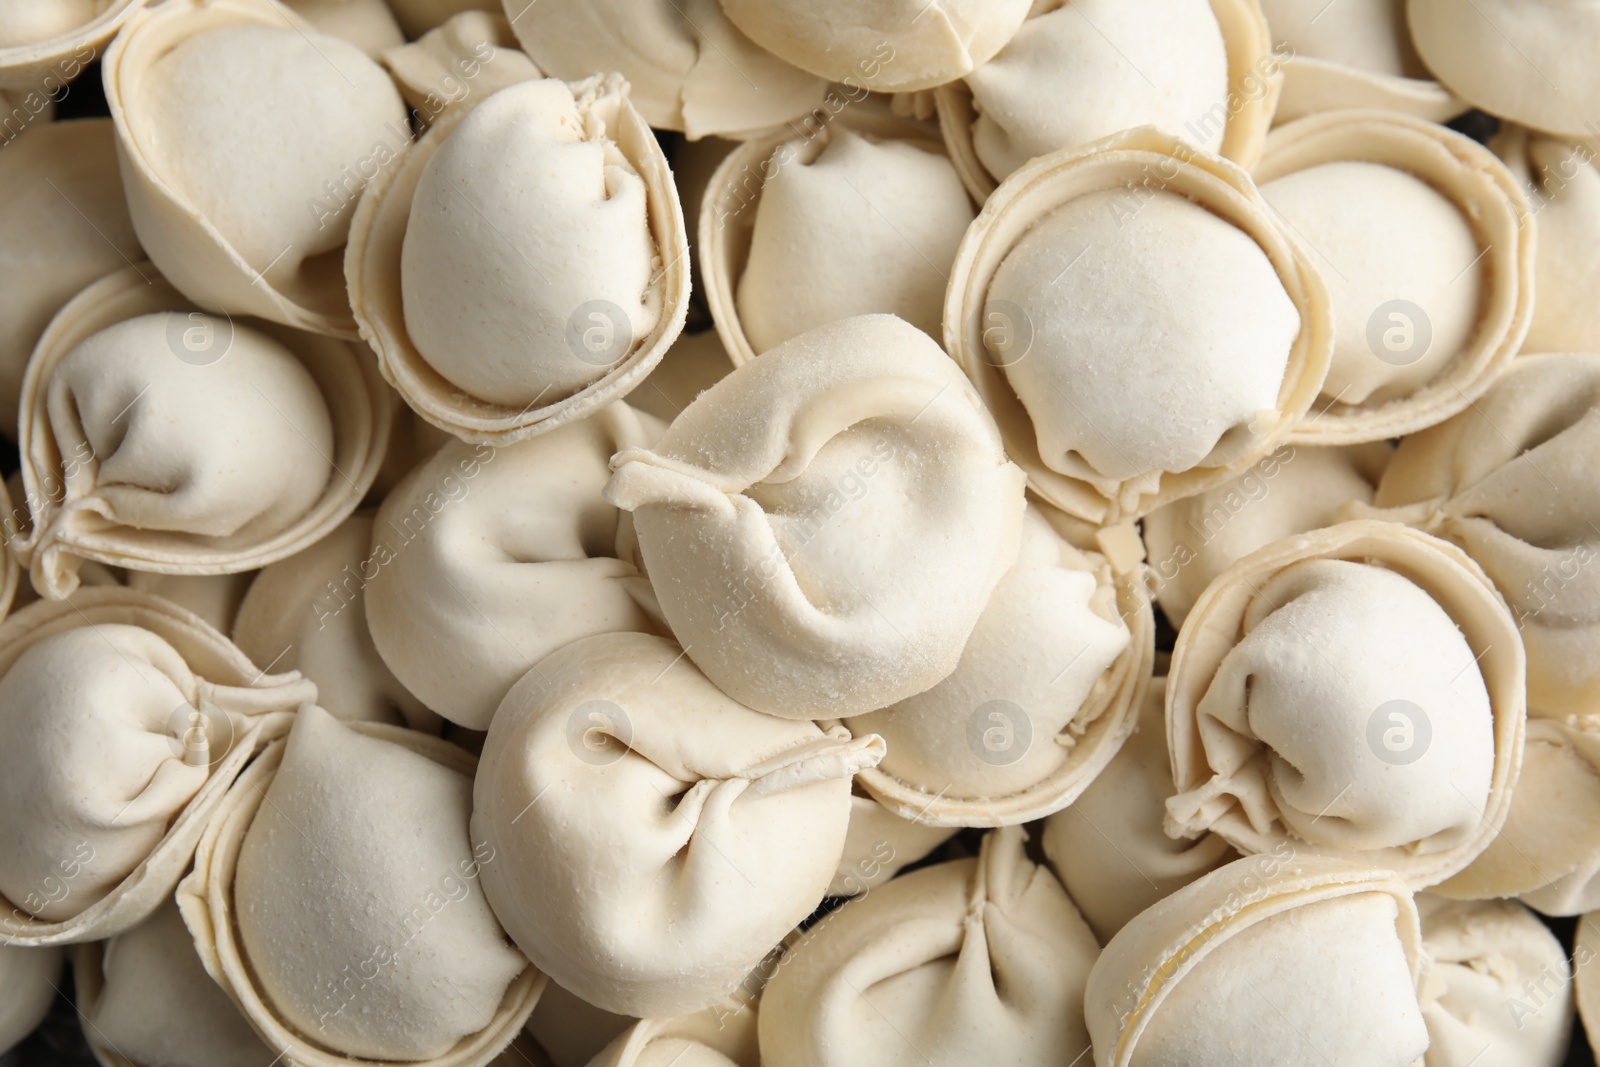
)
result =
(1354, 692)
(29, 979)
(1092, 304)
(823, 526)
(146, 1001)
(470, 56)
(1278, 958)
(1523, 60)
(1073, 387)
(879, 843)
(1584, 979)
(215, 598)
(1046, 691)
(861, 215)
(1426, 243)
(243, 204)
(969, 961)
(159, 437)
(417, 17)
(1080, 70)
(716, 1037)
(337, 898)
(1563, 187)
(24, 22)
(1498, 989)
(1508, 481)
(583, 195)
(654, 838)
(689, 67)
(367, 24)
(1109, 847)
(1354, 54)
(97, 823)
(883, 45)
(525, 263)
(308, 613)
(46, 43)
(1295, 489)
(1548, 854)
(485, 560)
(63, 223)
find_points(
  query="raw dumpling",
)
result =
(1109, 847)
(29, 980)
(1510, 482)
(470, 56)
(308, 613)
(1498, 992)
(716, 1037)
(525, 171)
(1523, 60)
(145, 998)
(823, 526)
(1548, 854)
(1273, 959)
(1563, 187)
(883, 45)
(654, 838)
(1042, 698)
(239, 201)
(1353, 54)
(44, 44)
(1295, 489)
(525, 263)
(97, 822)
(847, 222)
(24, 22)
(1077, 73)
(1425, 241)
(1354, 692)
(974, 961)
(65, 223)
(336, 899)
(689, 68)
(879, 843)
(158, 437)
(1138, 320)
(485, 560)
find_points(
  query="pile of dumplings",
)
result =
(799, 533)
